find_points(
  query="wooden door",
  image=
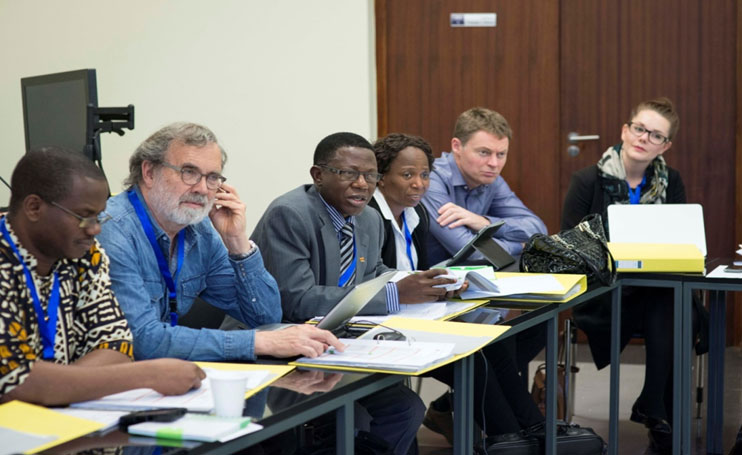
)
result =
(429, 72)
(573, 65)
(618, 53)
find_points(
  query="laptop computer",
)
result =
(657, 223)
(493, 253)
(347, 307)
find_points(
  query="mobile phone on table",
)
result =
(151, 415)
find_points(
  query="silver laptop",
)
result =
(657, 223)
(347, 307)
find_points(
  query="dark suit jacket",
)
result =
(301, 250)
(419, 238)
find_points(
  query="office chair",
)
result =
(202, 316)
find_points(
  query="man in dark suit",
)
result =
(301, 236)
(320, 240)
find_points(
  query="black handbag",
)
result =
(580, 250)
(573, 439)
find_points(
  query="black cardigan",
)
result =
(419, 236)
(585, 195)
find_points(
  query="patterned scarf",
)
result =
(615, 187)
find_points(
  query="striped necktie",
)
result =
(346, 257)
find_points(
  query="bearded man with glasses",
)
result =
(178, 233)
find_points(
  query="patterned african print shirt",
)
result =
(89, 316)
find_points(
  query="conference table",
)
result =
(279, 408)
(283, 415)
(683, 286)
(340, 398)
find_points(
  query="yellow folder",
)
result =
(656, 257)
(41, 422)
(572, 286)
(468, 337)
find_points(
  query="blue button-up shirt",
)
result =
(243, 289)
(495, 201)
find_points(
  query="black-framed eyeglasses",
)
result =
(86, 222)
(191, 176)
(654, 137)
(350, 175)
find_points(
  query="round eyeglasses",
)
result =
(654, 137)
(191, 176)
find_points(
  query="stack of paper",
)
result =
(384, 354)
(197, 400)
(445, 342)
(481, 287)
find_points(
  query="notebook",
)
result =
(347, 307)
(657, 223)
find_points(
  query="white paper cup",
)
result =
(228, 390)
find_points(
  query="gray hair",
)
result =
(154, 147)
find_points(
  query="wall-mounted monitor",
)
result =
(55, 110)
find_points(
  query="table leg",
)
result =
(552, 341)
(463, 403)
(615, 370)
(344, 429)
(717, 344)
(681, 415)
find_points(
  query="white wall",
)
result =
(270, 77)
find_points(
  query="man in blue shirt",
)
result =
(165, 252)
(467, 193)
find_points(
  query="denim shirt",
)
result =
(243, 289)
(495, 201)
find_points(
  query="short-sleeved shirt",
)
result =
(89, 316)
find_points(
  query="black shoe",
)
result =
(638, 415)
(660, 437)
(737, 449)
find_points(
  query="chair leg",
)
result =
(700, 382)
(570, 351)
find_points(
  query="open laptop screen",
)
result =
(657, 223)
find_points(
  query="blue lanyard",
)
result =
(351, 269)
(161, 260)
(635, 194)
(48, 320)
(408, 240)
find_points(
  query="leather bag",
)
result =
(580, 250)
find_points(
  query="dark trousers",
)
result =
(506, 405)
(393, 414)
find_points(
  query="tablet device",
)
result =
(493, 252)
(463, 254)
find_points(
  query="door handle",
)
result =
(575, 137)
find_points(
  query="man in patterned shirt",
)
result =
(63, 337)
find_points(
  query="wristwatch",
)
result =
(243, 256)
